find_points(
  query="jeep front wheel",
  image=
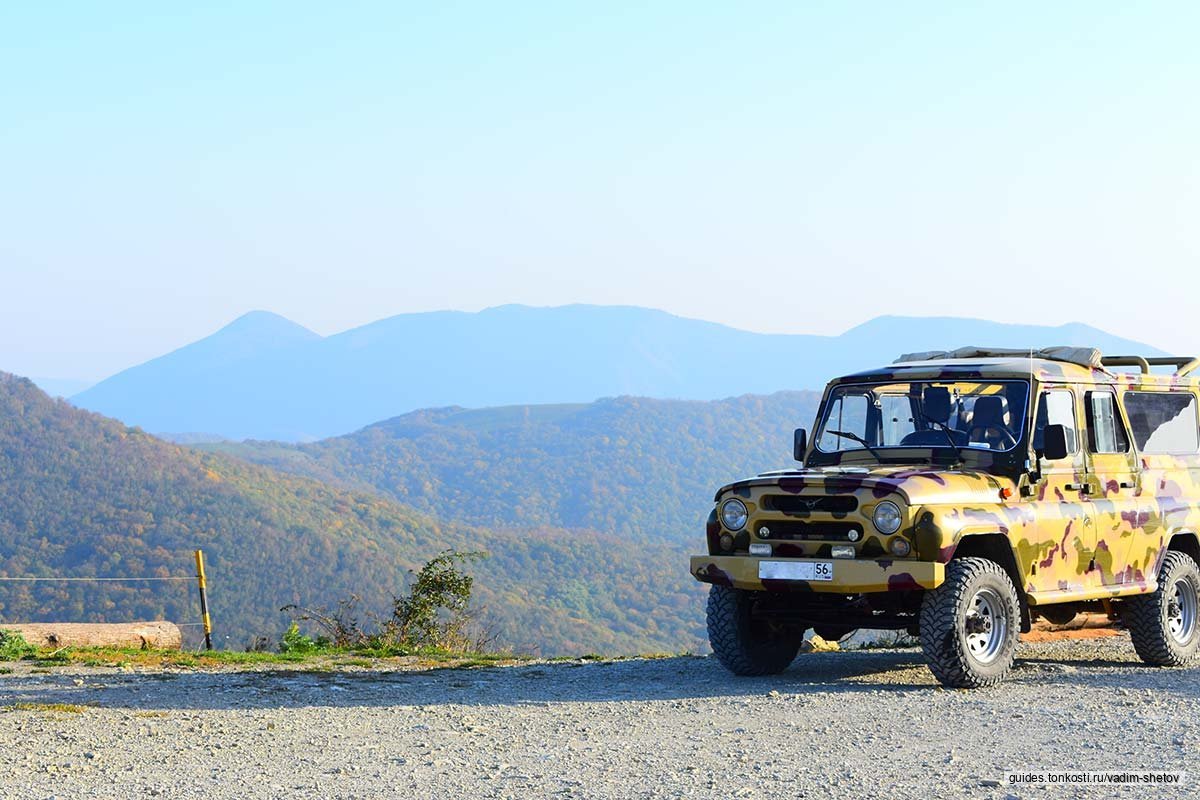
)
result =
(743, 644)
(970, 624)
(1165, 624)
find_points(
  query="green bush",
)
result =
(13, 646)
(294, 641)
(435, 614)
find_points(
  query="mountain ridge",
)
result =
(291, 384)
(641, 468)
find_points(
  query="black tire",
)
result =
(1150, 617)
(970, 624)
(743, 645)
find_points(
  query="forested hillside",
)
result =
(644, 469)
(82, 495)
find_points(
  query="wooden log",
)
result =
(159, 635)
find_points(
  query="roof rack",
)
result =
(1183, 364)
(1083, 356)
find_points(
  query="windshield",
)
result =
(958, 414)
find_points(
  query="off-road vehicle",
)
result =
(960, 495)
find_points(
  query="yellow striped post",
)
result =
(203, 599)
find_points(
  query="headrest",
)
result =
(935, 402)
(988, 412)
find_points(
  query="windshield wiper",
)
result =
(854, 437)
(946, 429)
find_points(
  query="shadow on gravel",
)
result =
(680, 678)
(1113, 676)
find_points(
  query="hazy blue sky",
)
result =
(774, 166)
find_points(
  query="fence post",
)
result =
(203, 599)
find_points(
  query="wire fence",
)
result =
(63, 580)
(200, 579)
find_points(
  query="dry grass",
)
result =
(321, 660)
(56, 708)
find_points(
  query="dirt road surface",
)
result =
(850, 724)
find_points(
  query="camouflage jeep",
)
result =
(961, 495)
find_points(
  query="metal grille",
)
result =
(820, 504)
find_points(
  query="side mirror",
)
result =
(1054, 445)
(799, 444)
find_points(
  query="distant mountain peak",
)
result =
(253, 333)
(259, 322)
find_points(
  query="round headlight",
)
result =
(734, 514)
(886, 517)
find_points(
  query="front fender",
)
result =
(938, 531)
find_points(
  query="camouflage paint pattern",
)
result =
(1088, 527)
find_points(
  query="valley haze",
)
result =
(265, 377)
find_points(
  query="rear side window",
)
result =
(1106, 431)
(1163, 422)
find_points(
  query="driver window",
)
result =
(849, 414)
(1056, 407)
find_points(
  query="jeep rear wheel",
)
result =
(970, 624)
(1165, 624)
(743, 644)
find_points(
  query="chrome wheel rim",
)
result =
(985, 626)
(1181, 611)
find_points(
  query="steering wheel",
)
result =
(1006, 436)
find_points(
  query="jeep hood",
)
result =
(916, 485)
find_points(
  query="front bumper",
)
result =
(850, 576)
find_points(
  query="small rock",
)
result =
(818, 645)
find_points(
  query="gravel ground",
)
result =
(850, 724)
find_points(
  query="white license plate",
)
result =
(795, 570)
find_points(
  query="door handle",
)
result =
(1077, 487)
(1128, 484)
